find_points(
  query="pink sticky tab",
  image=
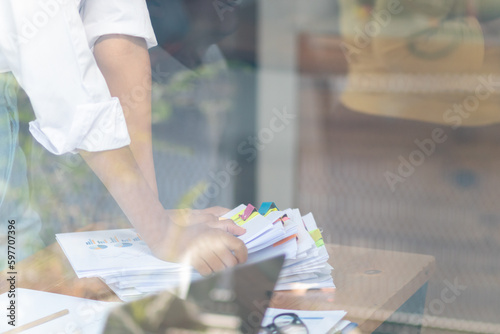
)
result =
(248, 211)
(282, 219)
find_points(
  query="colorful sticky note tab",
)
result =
(248, 213)
(317, 237)
(267, 207)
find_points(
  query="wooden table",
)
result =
(371, 284)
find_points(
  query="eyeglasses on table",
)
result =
(285, 323)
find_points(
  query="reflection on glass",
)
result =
(432, 61)
(285, 323)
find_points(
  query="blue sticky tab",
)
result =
(266, 206)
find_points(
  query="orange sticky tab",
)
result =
(285, 240)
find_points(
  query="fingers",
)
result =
(200, 265)
(227, 258)
(213, 262)
(216, 251)
(209, 217)
(226, 225)
(237, 248)
(231, 227)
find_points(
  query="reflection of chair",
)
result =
(415, 61)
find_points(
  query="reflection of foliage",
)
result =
(25, 116)
(205, 90)
(162, 112)
(189, 108)
(186, 88)
(214, 106)
(185, 80)
(65, 192)
(187, 201)
(165, 146)
(240, 66)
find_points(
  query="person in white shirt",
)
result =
(77, 61)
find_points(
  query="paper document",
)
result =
(85, 316)
(125, 263)
(317, 322)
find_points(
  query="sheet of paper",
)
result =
(272, 236)
(255, 226)
(124, 262)
(305, 242)
(289, 249)
(317, 322)
(85, 316)
(109, 251)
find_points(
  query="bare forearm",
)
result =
(124, 62)
(121, 175)
(200, 238)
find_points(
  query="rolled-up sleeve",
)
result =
(46, 47)
(104, 17)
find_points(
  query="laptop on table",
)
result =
(233, 301)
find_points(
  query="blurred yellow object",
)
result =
(424, 61)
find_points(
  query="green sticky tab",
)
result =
(316, 235)
(320, 243)
(239, 220)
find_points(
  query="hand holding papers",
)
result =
(197, 237)
(125, 262)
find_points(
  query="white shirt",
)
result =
(47, 44)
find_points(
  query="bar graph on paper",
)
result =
(113, 246)
(113, 241)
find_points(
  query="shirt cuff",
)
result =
(96, 30)
(95, 127)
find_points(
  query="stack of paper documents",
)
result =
(125, 263)
(122, 260)
(271, 232)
